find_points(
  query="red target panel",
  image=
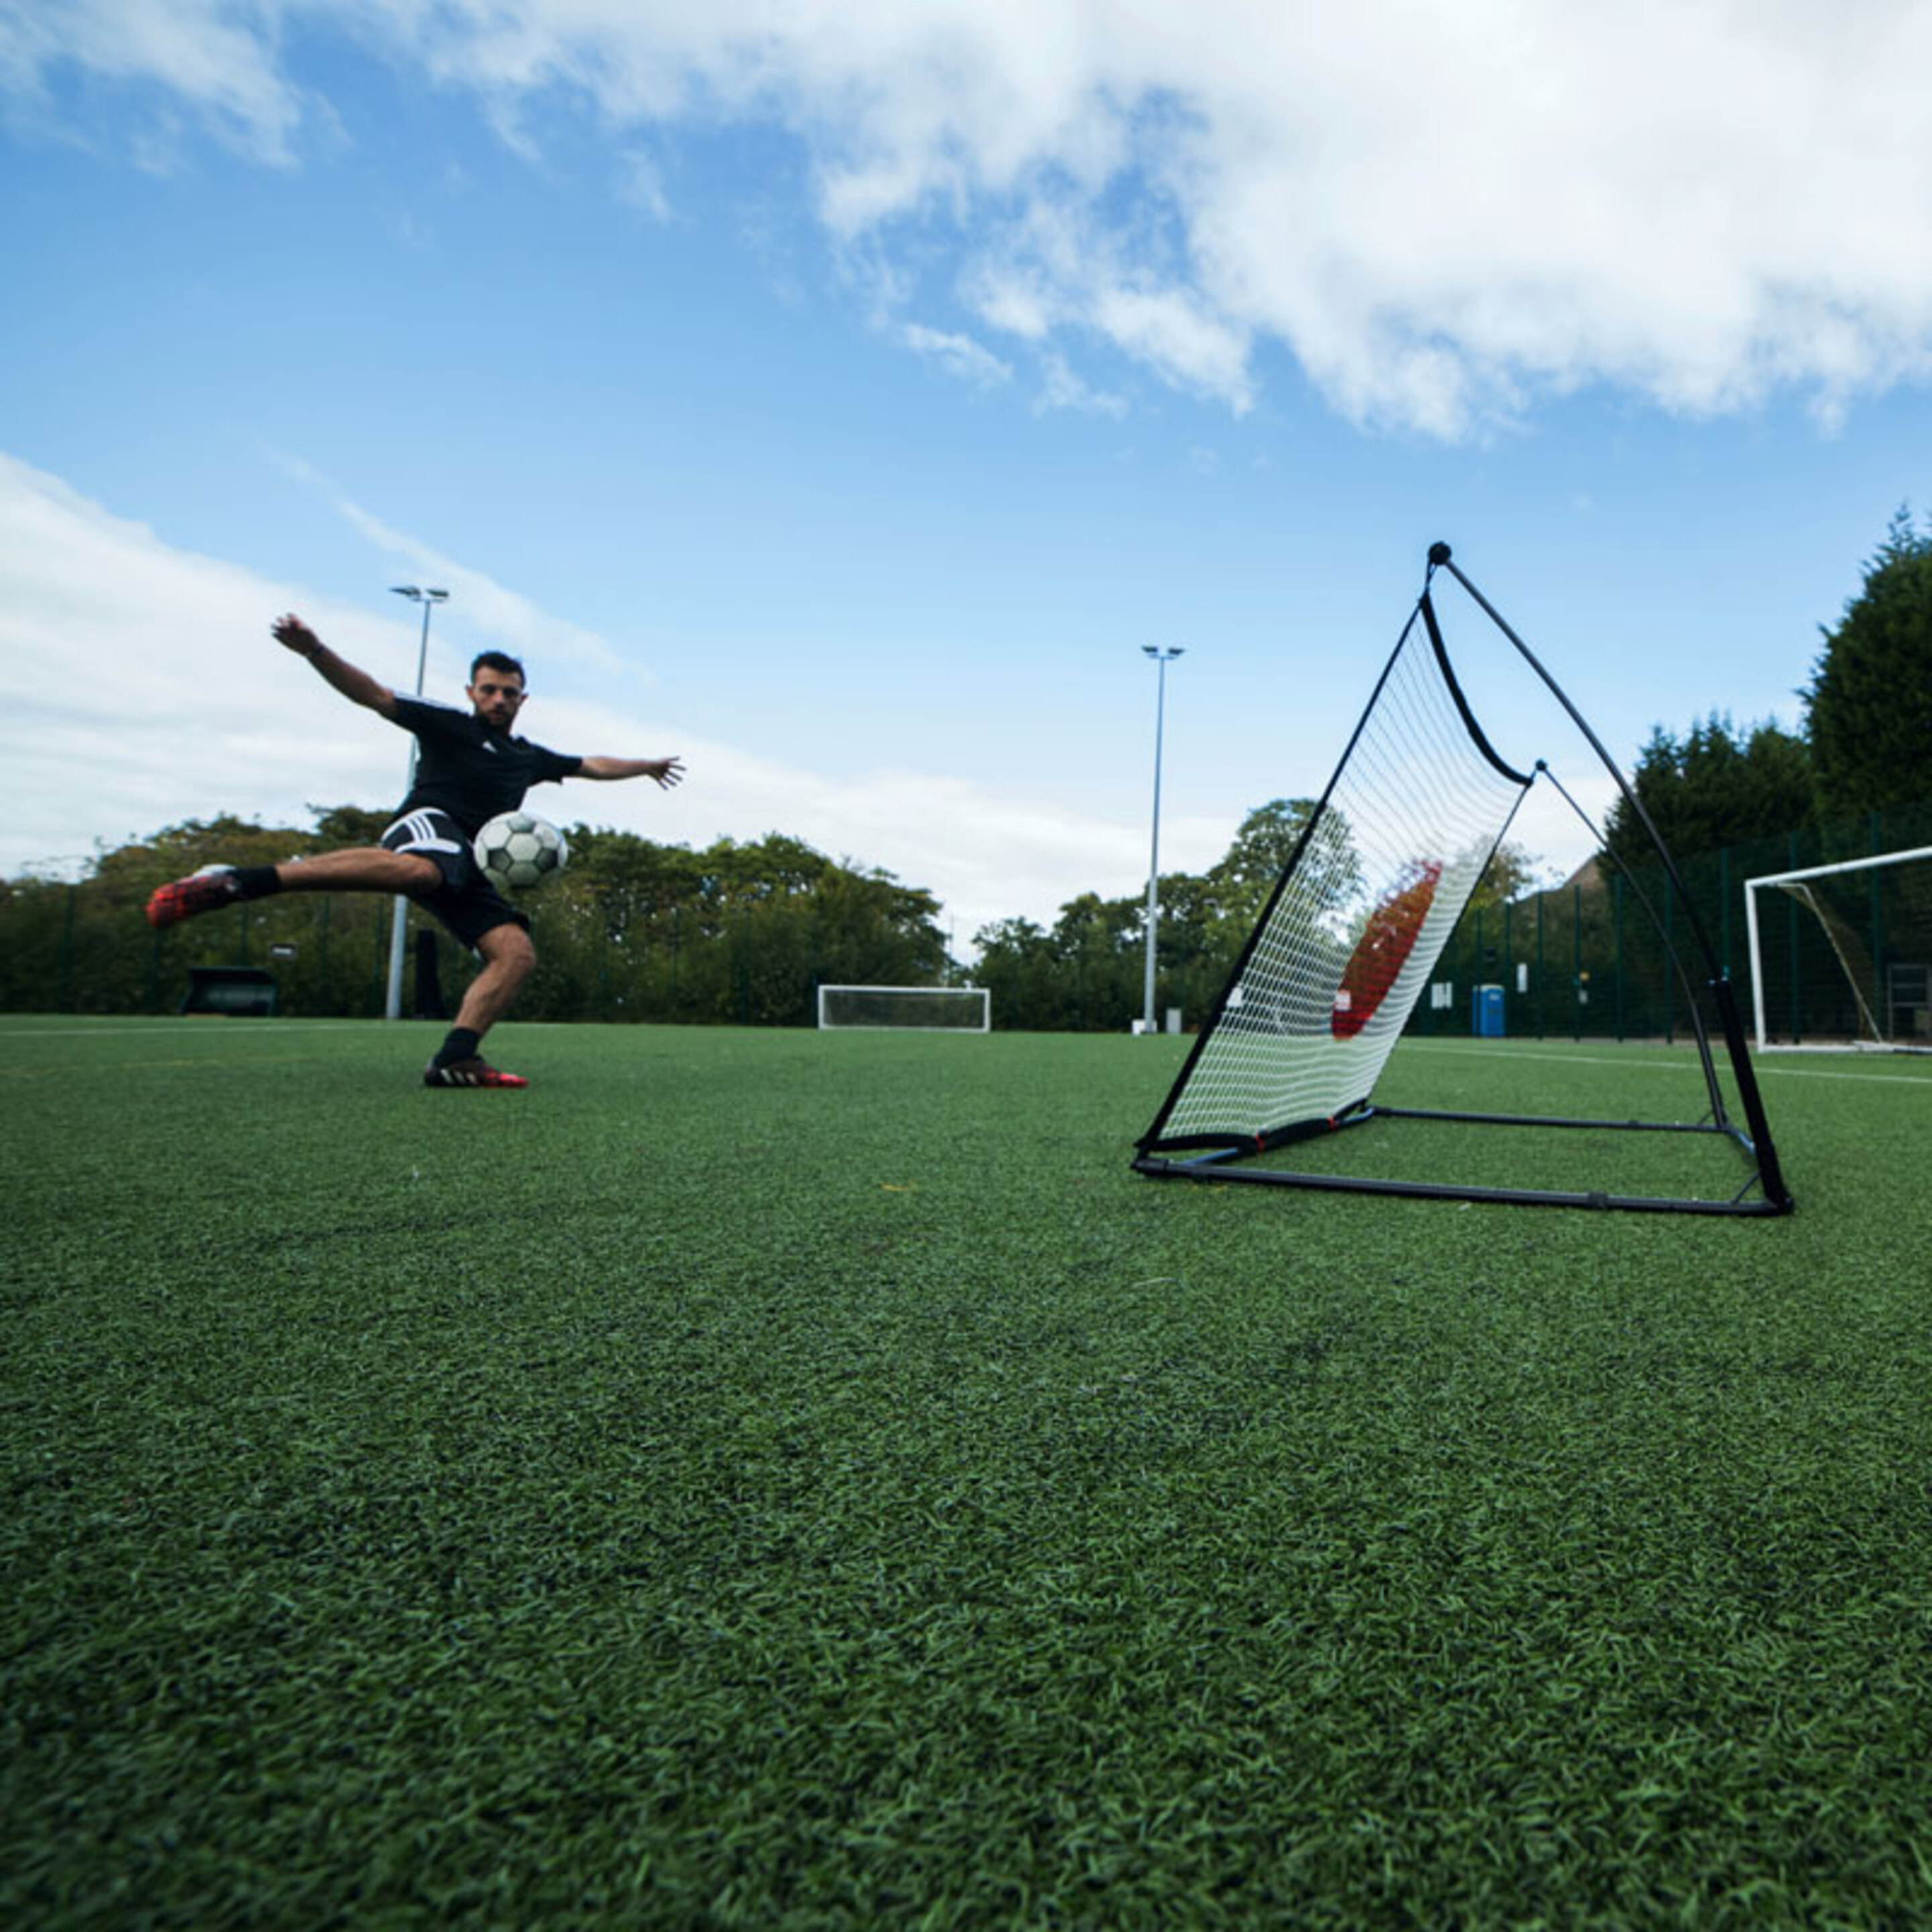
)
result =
(1386, 940)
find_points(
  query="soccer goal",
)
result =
(1297, 1046)
(905, 1009)
(1849, 962)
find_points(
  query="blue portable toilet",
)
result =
(1486, 1012)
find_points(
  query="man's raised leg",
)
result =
(360, 868)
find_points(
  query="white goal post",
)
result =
(1884, 954)
(905, 1009)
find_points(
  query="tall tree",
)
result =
(1511, 873)
(738, 932)
(1243, 876)
(1870, 699)
(1715, 786)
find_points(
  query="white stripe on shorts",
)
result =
(425, 834)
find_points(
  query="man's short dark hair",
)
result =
(495, 661)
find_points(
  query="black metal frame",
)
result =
(1216, 1155)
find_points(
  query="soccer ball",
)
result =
(519, 850)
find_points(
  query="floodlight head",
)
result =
(405, 590)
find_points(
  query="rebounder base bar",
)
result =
(1216, 1164)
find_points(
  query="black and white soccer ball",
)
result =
(518, 851)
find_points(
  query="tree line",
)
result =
(1087, 972)
(739, 931)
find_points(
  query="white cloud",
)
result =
(1443, 209)
(640, 182)
(139, 687)
(987, 855)
(959, 356)
(514, 622)
(216, 60)
(1180, 337)
(1060, 388)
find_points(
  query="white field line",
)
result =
(155, 1029)
(1670, 1066)
(1471, 1049)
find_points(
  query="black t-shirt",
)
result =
(466, 770)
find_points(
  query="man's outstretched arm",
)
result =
(666, 771)
(357, 686)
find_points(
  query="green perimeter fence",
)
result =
(1586, 961)
(1583, 960)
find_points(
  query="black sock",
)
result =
(256, 882)
(459, 1043)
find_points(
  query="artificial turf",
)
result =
(770, 1478)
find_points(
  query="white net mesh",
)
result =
(1854, 967)
(1355, 931)
(906, 1009)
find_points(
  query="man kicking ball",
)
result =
(469, 768)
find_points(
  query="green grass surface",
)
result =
(772, 1479)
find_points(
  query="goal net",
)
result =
(1385, 866)
(905, 1009)
(1841, 955)
(1358, 920)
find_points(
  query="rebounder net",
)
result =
(1386, 864)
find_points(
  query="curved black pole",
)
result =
(1440, 557)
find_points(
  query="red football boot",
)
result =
(469, 1073)
(183, 898)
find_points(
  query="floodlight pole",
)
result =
(1163, 656)
(398, 930)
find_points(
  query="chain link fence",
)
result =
(1585, 961)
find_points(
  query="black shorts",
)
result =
(465, 901)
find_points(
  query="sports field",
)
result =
(771, 1478)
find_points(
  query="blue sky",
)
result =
(841, 396)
